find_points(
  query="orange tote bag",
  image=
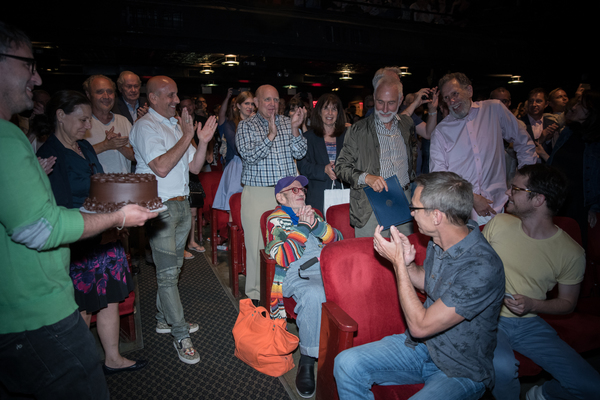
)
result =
(261, 342)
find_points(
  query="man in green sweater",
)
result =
(46, 349)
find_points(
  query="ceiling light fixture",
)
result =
(404, 71)
(290, 87)
(345, 76)
(515, 79)
(230, 60)
(206, 69)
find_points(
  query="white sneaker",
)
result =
(535, 393)
(192, 357)
(163, 327)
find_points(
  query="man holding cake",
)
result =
(38, 313)
(162, 146)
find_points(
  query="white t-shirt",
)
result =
(152, 136)
(112, 160)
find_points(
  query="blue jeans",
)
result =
(309, 294)
(167, 234)
(57, 361)
(574, 378)
(390, 362)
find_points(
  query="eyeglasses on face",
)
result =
(295, 190)
(519, 189)
(413, 208)
(30, 61)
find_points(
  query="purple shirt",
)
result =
(473, 148)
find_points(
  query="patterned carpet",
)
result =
(219, 375)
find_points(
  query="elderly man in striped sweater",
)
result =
(296, 235)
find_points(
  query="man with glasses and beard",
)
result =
(537, 255)
(469, 143)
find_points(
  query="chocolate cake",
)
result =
(111, 192)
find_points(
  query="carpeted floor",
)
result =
(219, 374)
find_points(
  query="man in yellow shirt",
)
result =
(537, 255)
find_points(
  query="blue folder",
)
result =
(391, 207)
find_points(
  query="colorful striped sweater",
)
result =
(286, 243)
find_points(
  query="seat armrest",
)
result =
(235, 266)
(213, 234)
(267, 273)
(337, 335)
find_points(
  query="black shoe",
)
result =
(139, 364)
(305, 380)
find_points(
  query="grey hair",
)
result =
(121, 78)
(459, 76)
(448, 193)
(87, 84)
(388, 81)
(382, 72)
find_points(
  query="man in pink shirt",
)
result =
(469, 142)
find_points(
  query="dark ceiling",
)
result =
(282, 44)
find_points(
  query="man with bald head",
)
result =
(268, 143)
(376, 148)
(110, 132)
(130, 104)
(162, 146)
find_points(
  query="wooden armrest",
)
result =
(337, 335)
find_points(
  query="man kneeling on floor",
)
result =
(296, 235)
(450, 340)
(537, 255)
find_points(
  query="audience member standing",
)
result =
(376, 148)
(577, 154)
(268, 144)
(231, 181)
(325, 140)
(98, 267)
(469, 143)
(109, 133)
(39, 315)
(163, 147)
(130, 104)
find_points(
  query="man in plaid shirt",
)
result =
(268, 143)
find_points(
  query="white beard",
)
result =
(387, 119)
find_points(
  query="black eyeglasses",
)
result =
(520, 189)
(30, 61)
(294, 190)
(412, 208)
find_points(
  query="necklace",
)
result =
(78, 150)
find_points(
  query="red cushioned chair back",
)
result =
(570, 226)
(235, 205)
(593, 246)
(363, 284)
(263, 225)
(339, 217)
(210, 184)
